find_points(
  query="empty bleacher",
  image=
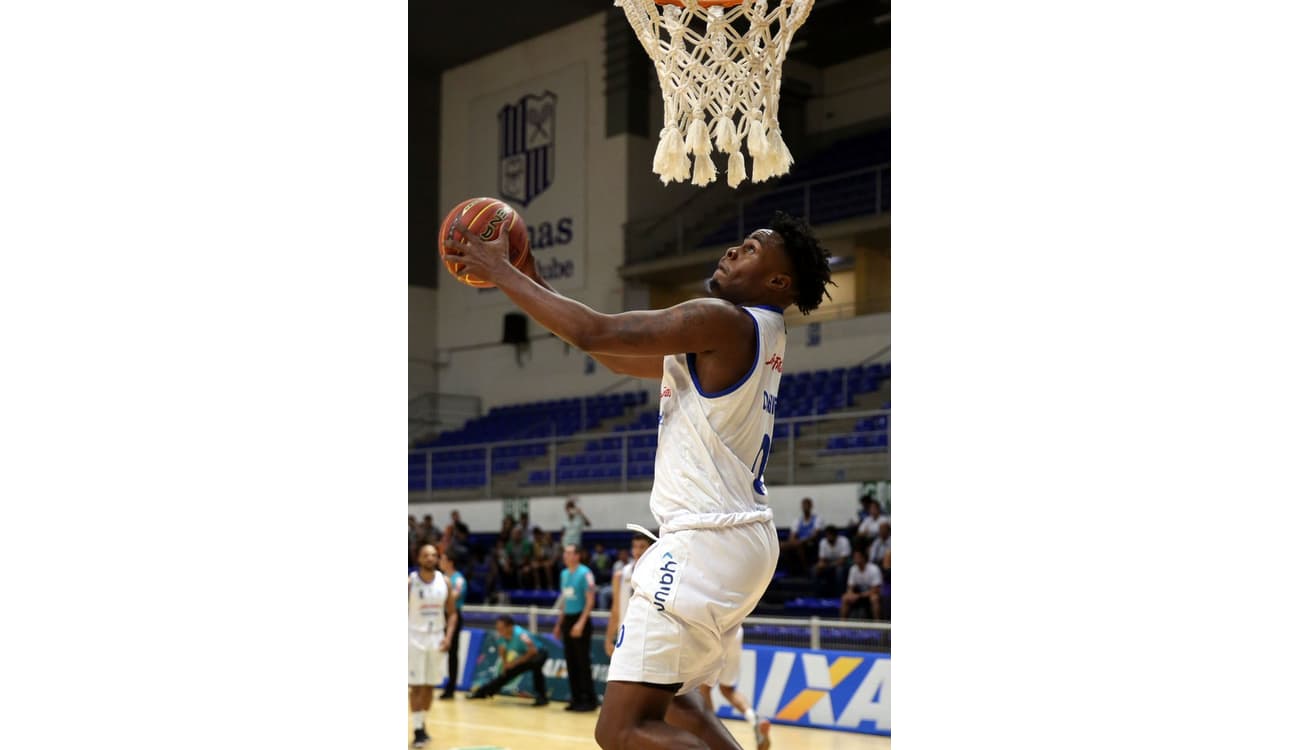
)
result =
(551, 443)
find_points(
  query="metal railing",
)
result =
(795, 632)
(799, 455)
(681, 231)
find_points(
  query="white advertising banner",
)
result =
(528, 146)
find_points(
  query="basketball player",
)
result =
(513, 639)
(429, 605)
(727, 682)
(456, 580)
(623, 592)
(719, 360)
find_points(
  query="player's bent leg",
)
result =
(633, 719)
(706, 694)
(688, 712)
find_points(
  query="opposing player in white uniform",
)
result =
(429, 607)
(623, 592)
(727, 681)
(719, 361)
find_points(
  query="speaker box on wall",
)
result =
(516, 329)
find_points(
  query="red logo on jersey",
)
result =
(775, 362)
(666, 392)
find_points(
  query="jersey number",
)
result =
(760, 461)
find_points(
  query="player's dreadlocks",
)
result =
(811, 261)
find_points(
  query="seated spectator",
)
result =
(869, 527)
(429, 532)
(833, 554)
(804, 533)
(879, 548)
(862, 588)
(543, 560)
(623, 558)
(501, 570)
(520, 550)
(600, 564)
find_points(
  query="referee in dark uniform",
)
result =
(458, 585)
(579, 598)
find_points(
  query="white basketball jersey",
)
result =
(426, 604)
(713, 447)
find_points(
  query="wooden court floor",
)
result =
(515, 724)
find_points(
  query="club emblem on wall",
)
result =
(527, 146)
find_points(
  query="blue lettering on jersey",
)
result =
(769, 403)
(667, 571)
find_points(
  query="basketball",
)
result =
(485, 217)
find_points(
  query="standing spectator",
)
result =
(863, 586)
(869, 527)
(804, 533)
(577, 599)
(574, 524)
(460, 525)
(833, 555)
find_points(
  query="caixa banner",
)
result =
(843, 690)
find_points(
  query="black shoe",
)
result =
(540, 702)
(421, 738)
(582, 707)
(477, 695)
(446, 696)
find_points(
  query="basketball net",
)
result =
(721, 88)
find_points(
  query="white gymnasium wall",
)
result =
(552, 370)
(837, 503)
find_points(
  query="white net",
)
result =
(720, 72)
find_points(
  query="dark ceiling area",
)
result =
(444, 34)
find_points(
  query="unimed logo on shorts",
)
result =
(667, 575)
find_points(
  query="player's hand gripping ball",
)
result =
(486, 219)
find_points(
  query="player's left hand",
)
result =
(486, 259)
(576, 631)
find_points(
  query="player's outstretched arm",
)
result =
(700, 325)
(638, 367)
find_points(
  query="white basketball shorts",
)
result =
(691, 589)
(425, 664)
(731, 647)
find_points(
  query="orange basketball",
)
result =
(485, 217)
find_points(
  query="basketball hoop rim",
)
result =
(703, 3)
